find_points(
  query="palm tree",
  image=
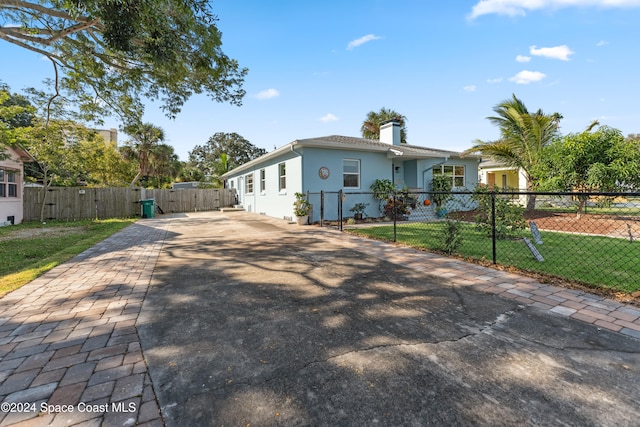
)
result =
(145, 138)
(523, 137)
(163, 163)
(371, 126)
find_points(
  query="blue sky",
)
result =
(317, 68)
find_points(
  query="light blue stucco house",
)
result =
(267, 185)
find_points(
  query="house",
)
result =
(496, 174)
(268, 184)
(12, 184)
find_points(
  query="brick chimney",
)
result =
(390, 132)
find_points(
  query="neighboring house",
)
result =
(506, 178)
(12, 185)
(496, 174)
(268, 184)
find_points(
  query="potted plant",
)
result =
(408, 199)
(358, 210)
(301, 208)
(396, 209)
(383, 190)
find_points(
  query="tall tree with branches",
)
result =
(108, 55)
(223, 152)
(523, 136)
(370, 128)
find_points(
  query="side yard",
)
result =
(598, 250)
(30, 249)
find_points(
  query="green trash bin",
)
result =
(148, 208)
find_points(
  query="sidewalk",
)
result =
(68, 342)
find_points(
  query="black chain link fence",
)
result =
(586, 238)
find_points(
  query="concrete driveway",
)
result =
(250, 321)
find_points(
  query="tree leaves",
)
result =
(114, 53)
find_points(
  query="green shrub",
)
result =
(441, 184)
(451, 236)
(509, 215)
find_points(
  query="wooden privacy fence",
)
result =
(73, 203)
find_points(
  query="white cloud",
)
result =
(362, 40)
(521, 7)
(268, 94)
(525, 77)
(522, 58)
(496, 80)
(601, 43)
(557, 52)
(328, 118)
(470, 88)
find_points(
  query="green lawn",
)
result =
(600, 262)
(30, 249)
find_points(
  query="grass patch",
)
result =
(30, 249)
(595, 261)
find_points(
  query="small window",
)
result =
(8, 183)
(282, 173)
(456, 173)
(263, 181)
(248, 183)
(351, 173)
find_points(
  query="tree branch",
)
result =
(17, 42)
(73, 29)
(18, 4)
(55, 69)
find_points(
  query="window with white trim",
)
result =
(8, 183)
(263, 181)
(455, 172)
(351, 173)
(282, 175)
(248, 183)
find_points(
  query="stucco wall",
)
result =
(425, 171)
(271, 201)
(372, 166)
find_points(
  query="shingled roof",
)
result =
(338, 142)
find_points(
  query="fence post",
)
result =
(493, 225)
(395, 216)
(321, 207)
(340, 210)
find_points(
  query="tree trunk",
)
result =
(531, 198)
(135, 180)
(531, 202)
(581, 202)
